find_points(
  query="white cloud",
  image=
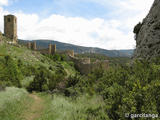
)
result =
(3, 2)
(109, 34)
(76, 30)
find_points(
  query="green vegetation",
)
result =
(9, 72)
(24, 66)
(126, 89)
(129, 87)
(44, 80)
(12, 103)
(64, 108)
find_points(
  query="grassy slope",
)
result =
(32, 58)
(64, 108)
(12, 102)
(16, 104)
(28, 56)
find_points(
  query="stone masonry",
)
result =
(34, 46)
(29, 45)
(51, 49)
(10, 27)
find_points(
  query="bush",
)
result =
(39, 81)
(10, 74)
(125, 89)
(45, 80)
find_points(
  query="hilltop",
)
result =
(43, 44)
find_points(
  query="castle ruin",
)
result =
(29, 45)
(51, 49)
(10, 27)
(85, 66)
(67, 52)
(32, 45)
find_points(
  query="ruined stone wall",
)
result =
(148, 34)
(102, 64)
(85, 60)
(81, 66)
(29, 45)
(52, 49)
(10, 27)
(84, 66)
(33, 46)
(67, 52)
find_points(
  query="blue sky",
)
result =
(74, 8)
(106, 24)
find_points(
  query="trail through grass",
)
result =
(17, 104)
(35, 109)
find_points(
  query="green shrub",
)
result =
(39, 81)
(125, 89)
(45, 80)
(10, 73)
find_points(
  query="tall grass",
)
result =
(12, 103)
(83, 108)
(26, 81)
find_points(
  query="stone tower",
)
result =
(10, 27)
(54, 48)
(72, 53)
(29, 45)
(34, 46)
(50, 49)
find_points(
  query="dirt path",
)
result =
(35, 110)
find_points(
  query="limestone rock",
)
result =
(147, 34)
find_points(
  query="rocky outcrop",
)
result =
(147, 34)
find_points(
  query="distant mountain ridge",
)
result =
(43, 44)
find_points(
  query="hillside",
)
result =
(23, 65)
(43, 44)
(39, 86)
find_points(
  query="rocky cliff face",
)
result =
(147, 34)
